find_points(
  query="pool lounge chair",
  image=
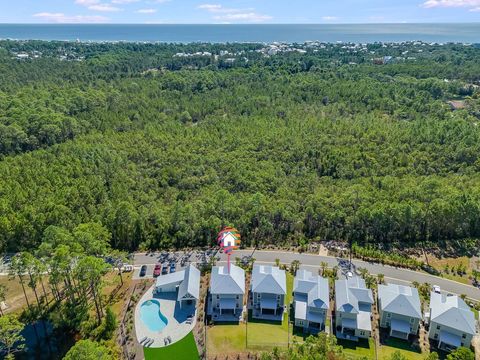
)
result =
(145, 338)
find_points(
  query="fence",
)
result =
(123, 332)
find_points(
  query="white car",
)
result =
(127, 268)
(436, 289)
(349, 274)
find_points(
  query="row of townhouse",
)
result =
(451, 322)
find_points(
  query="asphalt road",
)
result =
(310, 262)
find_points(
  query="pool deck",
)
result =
(177, 327)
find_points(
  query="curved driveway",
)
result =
(312, 262)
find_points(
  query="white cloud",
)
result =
(160, 1)
(248, 17)
(86, 2)
(77, 19)
(146, 11)
(224, 14)
(472, 4)
(104, 8)
(329, 18)
(96, 5)
(124, 1)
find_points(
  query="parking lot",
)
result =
(180, 259)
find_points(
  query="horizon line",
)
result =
(247, 24)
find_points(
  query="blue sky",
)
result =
(238, 11)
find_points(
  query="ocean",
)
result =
(358, 33)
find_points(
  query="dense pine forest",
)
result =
(162, 143)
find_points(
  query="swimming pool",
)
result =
(151, 315)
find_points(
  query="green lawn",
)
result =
(185, 349)
(392, 345)
(475, 311)
(225, 339)
(362, 348)
(261, 335)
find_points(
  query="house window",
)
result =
(362, 333)
(340, 315)
(438, 327)
(218, 297)
(412, 320)
(388, 315)
(462, 344)
(436, 336)
(237, 297)
(464, 336)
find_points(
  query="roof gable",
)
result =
(190, 284)
(268, 279)
(350, 293)
(453, 312)
(401, 300)
(222, 282)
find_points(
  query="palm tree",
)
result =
(335, 272)
(323, 266)
(370, 281)
(294, 266)
(277, 262)
(363, 272)
(381, 278)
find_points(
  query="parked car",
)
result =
(436, 289)
(157, 270)
(143, 270)
(127, 268)
(172, 267)
(165, 270)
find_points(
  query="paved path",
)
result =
(309, 261)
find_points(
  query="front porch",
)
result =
(347, 330)
(449, 342)
(347, 335)
(227, 311)
(399, 329)
(267, 309)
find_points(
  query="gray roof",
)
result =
(170, 279)
(451, 311)
(223, 282)
(269, 279)
(399, 299)
(314, 287)
(350, 293)
(190, 284)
